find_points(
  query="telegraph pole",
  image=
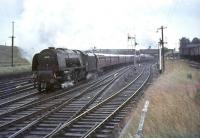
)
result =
(12, 39)
(162, 44)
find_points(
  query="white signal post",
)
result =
(160, 59)
(162, 44)
(135, 43)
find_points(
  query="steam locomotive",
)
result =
(54, 66)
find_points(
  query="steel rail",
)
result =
(67, 124)
(19, 99)
(14, 86)
(34, 123)
(3, 126)
(15, 80)
(48, 99)
(93, 130)
(15, 91)
(52, 106)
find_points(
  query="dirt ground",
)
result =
(174, 104)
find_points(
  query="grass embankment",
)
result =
(15, 70)
(20, 64)
(174, 109)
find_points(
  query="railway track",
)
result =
(103, 115)
(194, 64)
(14, 81)
(15, 87)
(20, 100)
(22, 97)
(26, 115)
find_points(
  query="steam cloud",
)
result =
(82, 24)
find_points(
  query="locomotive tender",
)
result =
(55, 66)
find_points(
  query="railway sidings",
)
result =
(93, 108)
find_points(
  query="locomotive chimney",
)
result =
(51, 47)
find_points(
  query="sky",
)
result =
(83, 24)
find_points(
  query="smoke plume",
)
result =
(78, 24)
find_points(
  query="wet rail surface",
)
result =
(100, 120)
(16, 118)
(14, 82)
(15, 86)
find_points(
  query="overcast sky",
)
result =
(83, 24)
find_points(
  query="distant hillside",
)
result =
(5, 56)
